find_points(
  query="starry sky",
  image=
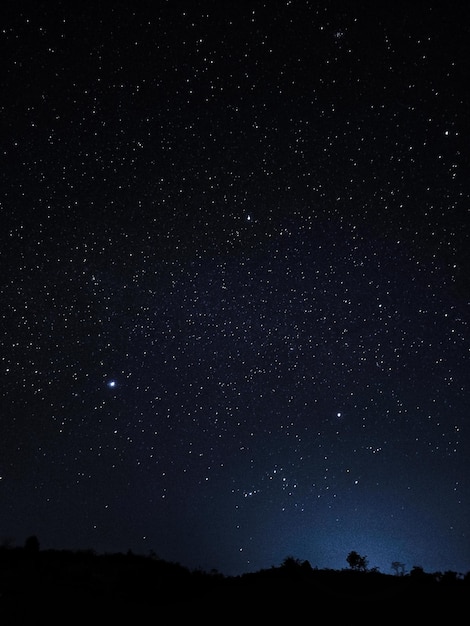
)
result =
(235, 294)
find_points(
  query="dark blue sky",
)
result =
(235, 288)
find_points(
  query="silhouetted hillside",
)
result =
(65, 584)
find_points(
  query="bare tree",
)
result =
(398, 568)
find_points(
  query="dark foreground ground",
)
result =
(71, 588)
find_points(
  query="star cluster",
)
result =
(235, 281)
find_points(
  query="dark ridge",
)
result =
(63, 584)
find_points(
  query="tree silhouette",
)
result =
(398, 568)
(290, 563)
(417, 571)
(356, 561)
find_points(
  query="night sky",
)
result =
(235, 281)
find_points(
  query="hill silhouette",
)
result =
(70, 586)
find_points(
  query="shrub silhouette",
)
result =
(31, 544)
